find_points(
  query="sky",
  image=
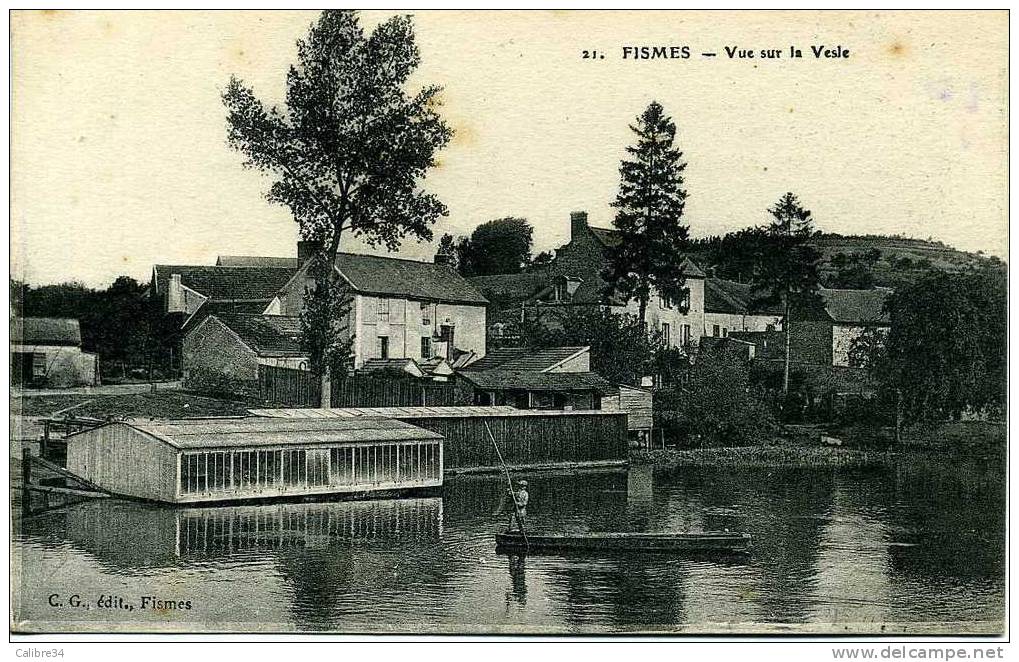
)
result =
(119, 157)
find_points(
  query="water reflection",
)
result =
(913, 543)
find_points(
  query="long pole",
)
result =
(509, 481)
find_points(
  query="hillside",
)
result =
(890, 261)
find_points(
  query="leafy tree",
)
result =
(736, 255)
(121, 323)
(324, 321)
(448, 248)
(541, 260)
(946, 351)
(350, 148)
(622, 350)
(855, 271)
(501, 246)
(717, 402)
(788, 271)
(649, 206)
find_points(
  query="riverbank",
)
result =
(764, 457)
(800, 446)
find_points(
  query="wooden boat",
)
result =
(724, 542)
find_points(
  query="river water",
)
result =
(916, 547)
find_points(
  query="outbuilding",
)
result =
(227, 459)
(46, 352)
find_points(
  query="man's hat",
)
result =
(522, 483)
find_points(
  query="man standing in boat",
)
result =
(519, 513)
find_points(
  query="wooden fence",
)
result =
(300, 388)
(552, 437)
(287, 386)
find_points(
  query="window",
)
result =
(769, 328)
(664, 302)
(383, 348)
(39, 364)
(667, 334)
(714, 330)
(426, 314)
(426, 347)
(725, 332)
(686, 334)
(560, 293)
(384, 310)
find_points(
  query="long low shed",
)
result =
(202, 460)
(526, 437)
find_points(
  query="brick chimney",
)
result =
(306, 249)
(578, 224)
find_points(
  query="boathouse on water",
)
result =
(202, 460)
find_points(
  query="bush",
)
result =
(716, 404)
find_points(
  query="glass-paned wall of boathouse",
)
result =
(347, 468)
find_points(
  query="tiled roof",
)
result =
(512, 288)
(226, 283)
(268, 335)
(402, 365)
(610, 238)
(538, 381)
(256, 261)
(727, 296)
(46, 331)
(411, 279)
(220, 308)
(525, 359)
(857, 306)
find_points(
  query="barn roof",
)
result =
(258, 431)
(256, 261)
(220, 308)
(46, 331)
(267, 335)
(409, 279)
(857, 306)
(500, 380)
(389, 412)
(727, 296)
(226, 283)
(512, 288)
(522, 358)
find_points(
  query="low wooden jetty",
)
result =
(44, 485)
(730, 543)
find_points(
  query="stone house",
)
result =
(398, 308)
(573, 280)
(731, 306)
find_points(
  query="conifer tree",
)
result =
(789, 266)
(649, 212)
